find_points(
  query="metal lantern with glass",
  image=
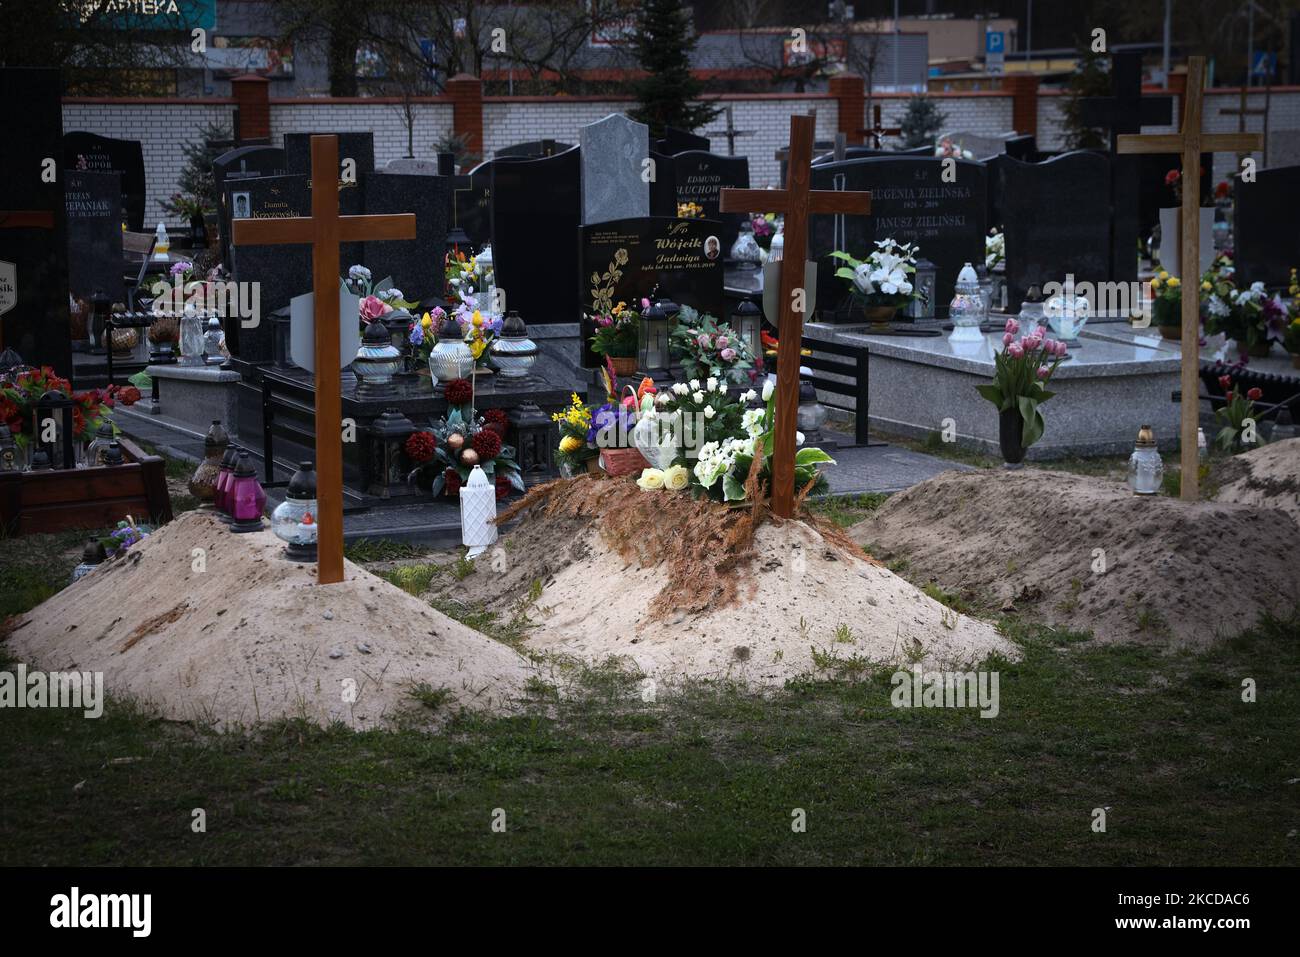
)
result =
(377, 361)
(747, 322)
(52, 430)
(652, 342)
(967, 307)
(294, 519)
(245, 499)
(450, 358)
(387, 437)
(922, 308)
(512, 352)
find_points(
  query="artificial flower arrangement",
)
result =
(1022, 370)
(377, 299)
(764, 227)
(574, 451)
(479, 331)
(615, 334)
(1237, 408)
(948, 147)
(690, 210)
(120, 540)
(705, 442)
(447, 452)
(707, 347)
(422, 334)
(92, 407)
(1250, 316)
(995, 248)
(884, 278)
(585, 430)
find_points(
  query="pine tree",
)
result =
(921, 122)
(663, 47)
(1090, 78)
(195, 181)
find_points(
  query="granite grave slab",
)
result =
(104, 154)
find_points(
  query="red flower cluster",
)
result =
(420, 445)
(497, 420)
(459, 392)
(1255, 394)
(452, 488)
(503, 487)
(11, 415)
(487, 444)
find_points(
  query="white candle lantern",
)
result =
(478, 511)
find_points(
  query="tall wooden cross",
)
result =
(878, 130)
(324, 229)
(1243, 111)
(797, 201)
(1191, 142)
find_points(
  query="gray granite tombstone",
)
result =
(415, 265)
(1266, 218)
(1056, 220)
(92, 205)
(412, 166)
(103, 154)
(614, 153)
(282, 272)
(910, 203)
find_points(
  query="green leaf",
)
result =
(1034, 424)
(732, 490)
(846, 257)
(810, 455)
(845, 273)
(436, 488)
(992, 393)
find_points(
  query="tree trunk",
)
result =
(342, 55)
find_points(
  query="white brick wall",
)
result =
(387, 121)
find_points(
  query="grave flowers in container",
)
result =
(1022, 370)
(883, 282)
(444, 454)
(707, 348)
(575, 454)
(615, 337)
(422, 334)
(1166, 305)
(1250, 316)
(91, 409)
(1237, 417)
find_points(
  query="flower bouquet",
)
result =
(764, 227)
(446, 453)
(995, 248)
(950, 148)
(1238, 418)
(574, 452)
(1251, 317)
(422, 334)
(881, 283)
(478, 330)
(91, 409)
(707, 347)
(1166, 304)
(615, 337)
(1021, 373)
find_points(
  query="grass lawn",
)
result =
(704, 774)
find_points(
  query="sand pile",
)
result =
(1174, 572)
(804, 607)
(252, 637)
(1268, 477)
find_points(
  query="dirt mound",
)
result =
(804, 606)
(252, 637)
(1173, 572)
(1268, 477)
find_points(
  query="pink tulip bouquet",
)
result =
(1022, 370)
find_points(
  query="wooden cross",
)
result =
(1242, 111)
(1191, 142)
(324, 229)
(877, 129)
(798, 202)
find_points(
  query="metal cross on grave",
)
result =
(877, 130)
(324, 229)
(731, 133)
(797, 201)
(1243, 111)
(1191, 142)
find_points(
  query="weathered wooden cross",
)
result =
(878, 130)
(324, 229)
(1191, 142)
(797, 202)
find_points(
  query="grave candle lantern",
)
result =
(652, 341)
(671, 309)
(478, 512)
(967, 307)
(923, 282)
(294, 519)
(450, 358)
(203, 483)
(811, 415)
(387, 438)
(513, 353)
(1146, 471)
(747, 321)
(221, 493)
(52, 429)
(535, 440)
(246, 498)
(377, 361)
(487, 299)
(92, 556)
(9, 460)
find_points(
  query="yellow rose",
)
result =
(676, 478)
(1155, 285)
(651, 480)
(570, 444)
(1206, 285)
(1163, 274)
(1173, 282)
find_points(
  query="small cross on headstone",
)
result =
(797, 201)
(324, 229)
(1191, 142)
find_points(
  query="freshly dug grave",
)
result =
(253, 638)
(649, 577)
(1268, 477)
(1176, 573)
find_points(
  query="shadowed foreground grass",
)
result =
(706, 774)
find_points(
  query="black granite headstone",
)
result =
(1267, 212)
(103, 154)
(242, 163)
(92, 205)
(472, 203)
(910, 203)
(534, 149)
(415, 265)
(699, 179)
(357, 147)
(33, 249)
(1056, 220)
(663, 188)
(282, 272)
(679, 141)
(658, 253)
(536, 207)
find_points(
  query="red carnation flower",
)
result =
(459, 392)
(420, 446)
(503, 487)
(1255, 394)
(452, 488)
(487, 444)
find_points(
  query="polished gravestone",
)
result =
(414, 265)
(1267, 226)
(1055, 219)
(103, 154)
(33, 245)
(245, 162)
(700, 177)
(534, 149)
(91, 203)
(356, 160)
(676, 141)
(910, 203)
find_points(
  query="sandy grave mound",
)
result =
(253, 638)
(1175, 572)
(803, 604)
(1268, 477)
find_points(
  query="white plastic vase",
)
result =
(478, 510)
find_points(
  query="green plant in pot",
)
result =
(1022, 370)
(1167, 305)
(883, 283)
